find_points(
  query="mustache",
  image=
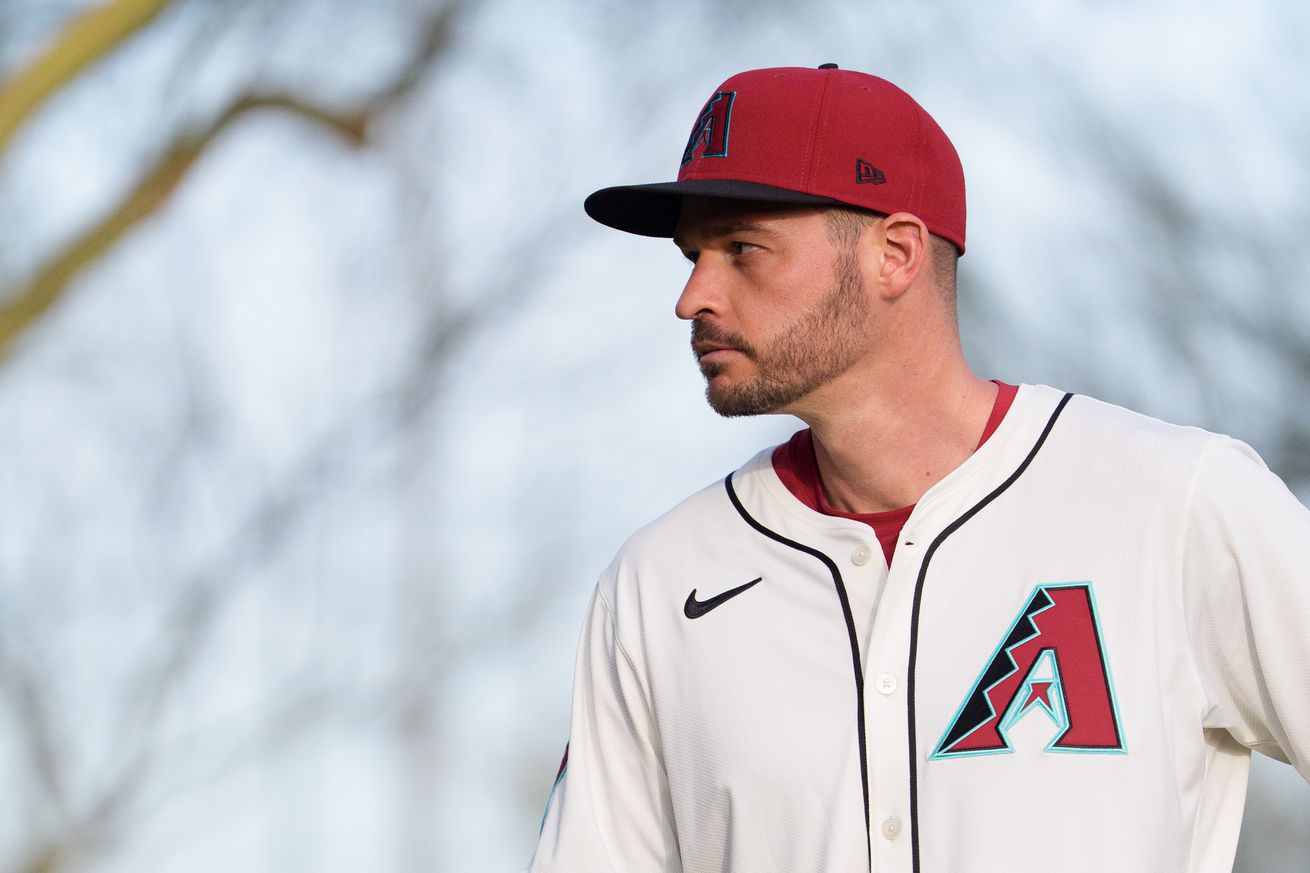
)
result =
(706, 332)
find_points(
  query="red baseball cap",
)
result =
(805, 136)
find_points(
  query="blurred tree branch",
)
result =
(84, 41)
(202, 593)
(81, 821)
(52, 279)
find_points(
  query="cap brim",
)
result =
(652, 210)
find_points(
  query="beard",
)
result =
(821, 345)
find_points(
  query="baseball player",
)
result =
(953, 625)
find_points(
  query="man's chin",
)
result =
(738, 401)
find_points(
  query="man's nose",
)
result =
(703, 293)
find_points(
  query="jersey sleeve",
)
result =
(610, 810)
(1246, 565)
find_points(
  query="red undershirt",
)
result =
(795, 465)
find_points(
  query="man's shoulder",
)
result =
(1109, 443)
(697, 517)
(696, 532)
(1108, 426)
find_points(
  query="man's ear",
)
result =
(904, 244)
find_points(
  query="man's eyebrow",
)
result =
(722, 229)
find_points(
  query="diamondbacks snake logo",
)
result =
(1051, 661)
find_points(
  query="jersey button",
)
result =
(887, 683)
(891, 827)
(861, 555)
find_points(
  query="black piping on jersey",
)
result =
(850, 632)
(914, 619)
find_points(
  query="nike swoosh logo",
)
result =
(694, 608)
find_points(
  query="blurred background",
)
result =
(322, 404)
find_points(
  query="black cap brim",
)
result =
(652, 210)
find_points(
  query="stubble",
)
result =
(821, 345)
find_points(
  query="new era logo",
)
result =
(867, 174)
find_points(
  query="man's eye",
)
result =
(741, 248)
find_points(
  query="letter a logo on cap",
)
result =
(711, 128)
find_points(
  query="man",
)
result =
(954, 625)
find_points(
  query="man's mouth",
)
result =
(713, 351)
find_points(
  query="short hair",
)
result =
(846, 223)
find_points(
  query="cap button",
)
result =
(827, 66)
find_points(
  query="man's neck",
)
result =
(884, 446)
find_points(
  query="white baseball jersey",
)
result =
(1084, 631)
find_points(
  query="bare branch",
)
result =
(20, 681)
(46, 859)
(269, 522)
(53, 278)
(85, 40)
(151, 191)
(38, 738)
(436, 39)
(132, 793)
